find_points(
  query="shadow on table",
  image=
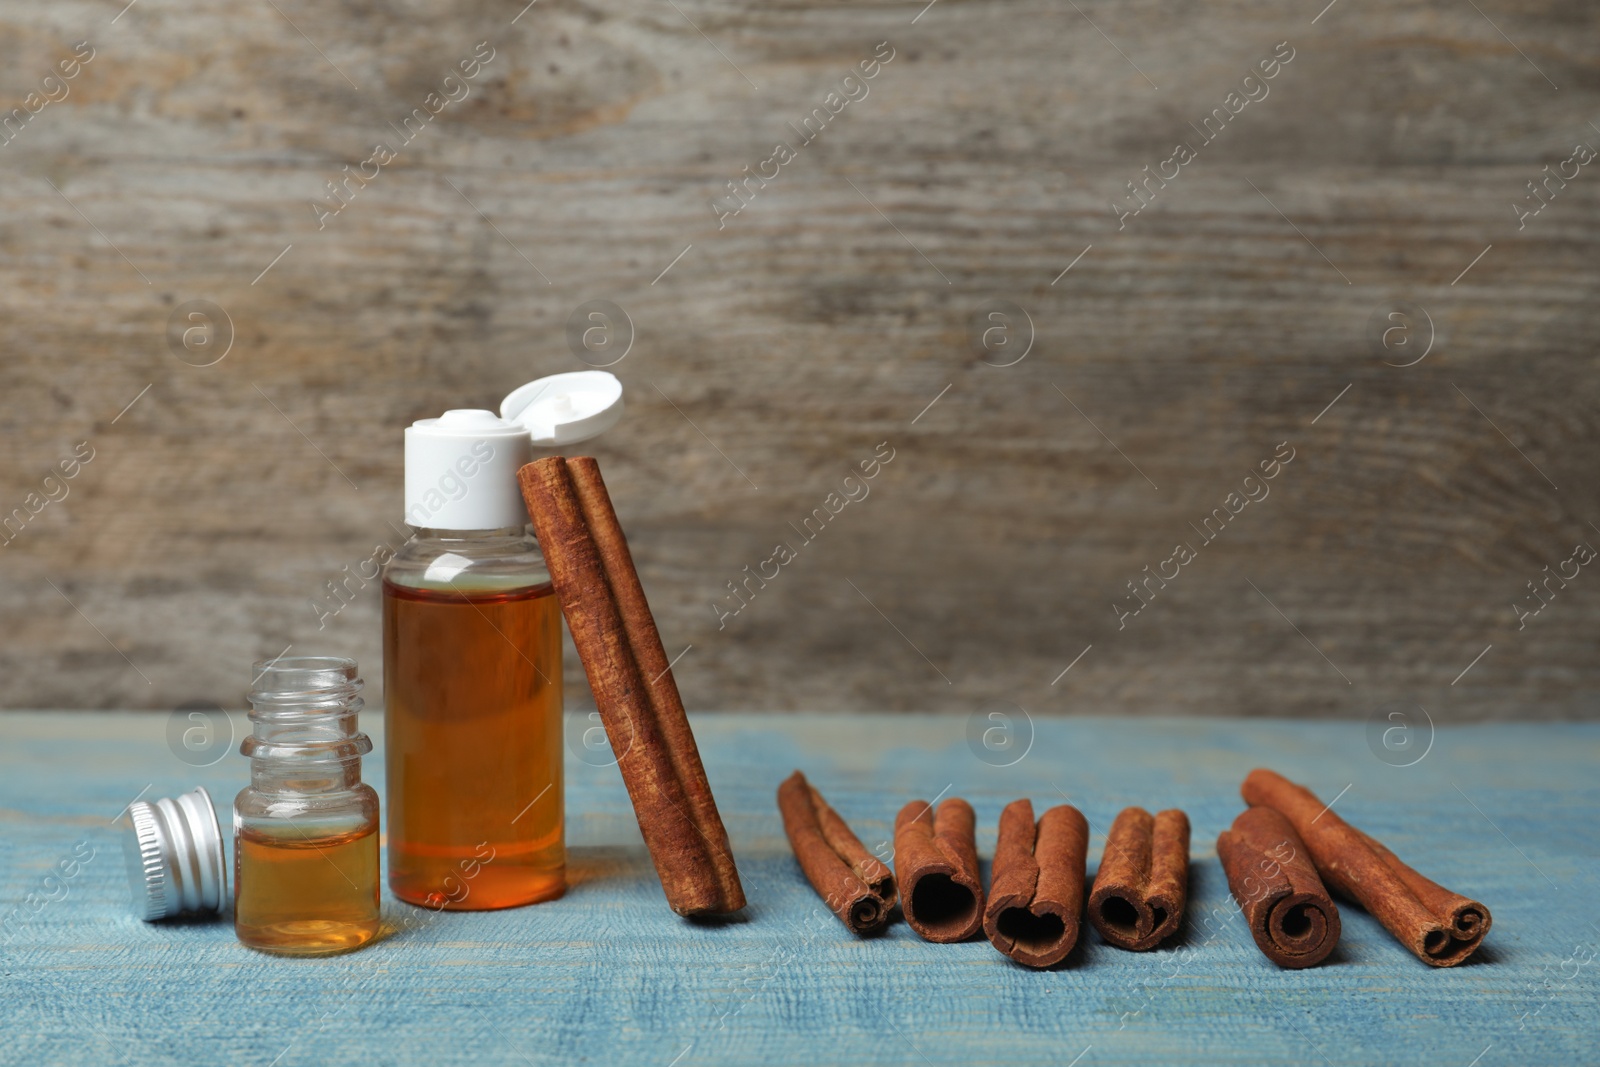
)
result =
(588, 864)
(602, 863)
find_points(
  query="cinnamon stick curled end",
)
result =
(1439, 927)
(1463, 921)
(856, 885)
(1143, 882)
(1036, 894)
(936, 863)
(1291, 917)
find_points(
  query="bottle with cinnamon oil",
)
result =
(305, 845)
(472, 657)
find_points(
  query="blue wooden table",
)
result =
(607, 975)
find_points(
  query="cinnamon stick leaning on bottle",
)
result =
(1036, 892)
(936, 864)
(1143, 882)
(1440, 928)
(635, 692)
(1294, 922)
(853, 882)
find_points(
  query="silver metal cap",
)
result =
(175, 859)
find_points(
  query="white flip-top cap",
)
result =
(564, 409)
(461, 471)
(461, 468)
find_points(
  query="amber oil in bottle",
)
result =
(472, 684)
(306, 829)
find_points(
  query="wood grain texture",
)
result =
(608, 974)
(824, 318)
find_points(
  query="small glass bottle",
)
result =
(472, 678)
(305, 842)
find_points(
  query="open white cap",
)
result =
(564, 409)
(461, 468)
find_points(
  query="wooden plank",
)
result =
(609, 974)
(822, 319)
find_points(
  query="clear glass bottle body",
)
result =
(473, 706)
(305, 839)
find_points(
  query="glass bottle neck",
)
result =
(305, 738)
(427, 533)
(301, 776)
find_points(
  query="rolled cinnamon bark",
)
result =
(1291, 917)
(1440, 928)
(1466, 919)
(936, 864)
(636, 695)
(1036, 892)
(855, 884)
(1143, 881)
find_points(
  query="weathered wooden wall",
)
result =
(782, 347)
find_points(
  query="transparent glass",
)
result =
(472, 721)
(305, 842)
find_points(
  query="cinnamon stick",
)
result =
(936, 864)
(1036, 893)
(1291, 917)
(1143, 881)
(1441, 928)
(855, 884)
(635, 692)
